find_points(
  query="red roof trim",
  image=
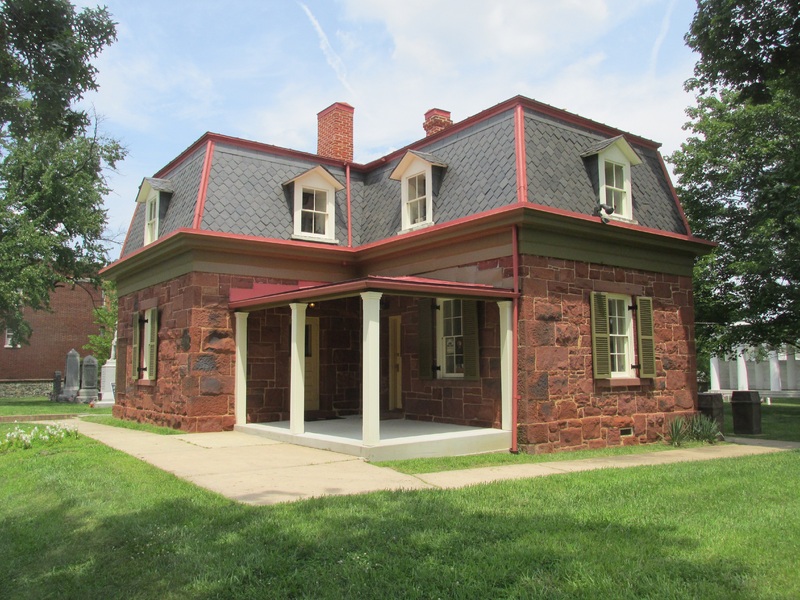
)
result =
(406, 285)
(201, 193)
(522, 161)
(675, 195)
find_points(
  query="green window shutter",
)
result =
(601, 351)
(135, 347)
(425, 338)
(647, 343)
(152, 346)
(469, 317)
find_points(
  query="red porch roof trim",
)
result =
(257, 299)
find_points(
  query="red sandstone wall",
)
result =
(196, 354)
(561, 405)
(54, 334)
(460, 402)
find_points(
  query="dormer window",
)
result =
(155, 195)
(151, 219)
(314, 194)
(419, 175)
(615, 157)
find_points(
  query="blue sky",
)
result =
(263, 69)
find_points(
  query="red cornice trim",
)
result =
(408, 285)
(201, 193)
(522, 162)
(674, 195)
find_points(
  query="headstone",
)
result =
(88, 391)
(56, 386)
(108, 376)
(73, 378)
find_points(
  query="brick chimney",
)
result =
(436, 120)
(335, 132)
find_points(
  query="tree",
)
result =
(746, 45)
(105, 316)
(739, 173)
(53, 160)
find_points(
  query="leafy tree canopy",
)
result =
(746, 45)
(739, 172)
(51, 174)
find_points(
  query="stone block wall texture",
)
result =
(54, 334)
(194, 387)
(561, 405)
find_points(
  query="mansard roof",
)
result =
(232, 186)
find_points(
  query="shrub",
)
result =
(698, 428)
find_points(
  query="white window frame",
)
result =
(616, 157)
(9, 340)
(418, 168)
(151, 207)
(627, 337)
(314, 181)
(448, 345)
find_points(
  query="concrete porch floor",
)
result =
(399, 438)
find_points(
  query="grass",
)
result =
(415, 466)
(114, 422)
(81, 520)
(779, 420)
(39, 405)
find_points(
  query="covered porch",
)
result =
(375, 429)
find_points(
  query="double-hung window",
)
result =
(417, 203)
(155, 195)
(10, 339)
(315, 205)
(420, 176)
(615, 157)
(623, 343)
(151, 219)
(448, 339)
(144, 345)
(314, 215)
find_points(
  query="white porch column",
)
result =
(506, 362)
(297, 387)
(733, 371)
(791, 369)
(774, 372)
(371, 364)
(240, 381)
(714, 373)
(741, 369)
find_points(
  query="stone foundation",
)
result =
(24, 389)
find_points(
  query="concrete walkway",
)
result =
(256, 470)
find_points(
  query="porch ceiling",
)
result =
(258, 298)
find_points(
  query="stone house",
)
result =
(27, 369)
(517, 280)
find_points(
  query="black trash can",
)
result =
(746, 410)
(711, 406)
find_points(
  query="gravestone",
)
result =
(108, 375)
(88, 392)
(56, 386)
(73, 378)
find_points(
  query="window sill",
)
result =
(621, 219)
(146, 382)
(619, 382)
(416, 227)
(311, 238)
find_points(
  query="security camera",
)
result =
(607, 208)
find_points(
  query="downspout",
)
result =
(349, 214)
(515, 341)
(522, 198)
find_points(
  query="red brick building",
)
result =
(28, 369)
(520, 279)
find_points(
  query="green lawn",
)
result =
(415, 466)
(114, 422)
(779, 420)
(80, 520)
(39, 405)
